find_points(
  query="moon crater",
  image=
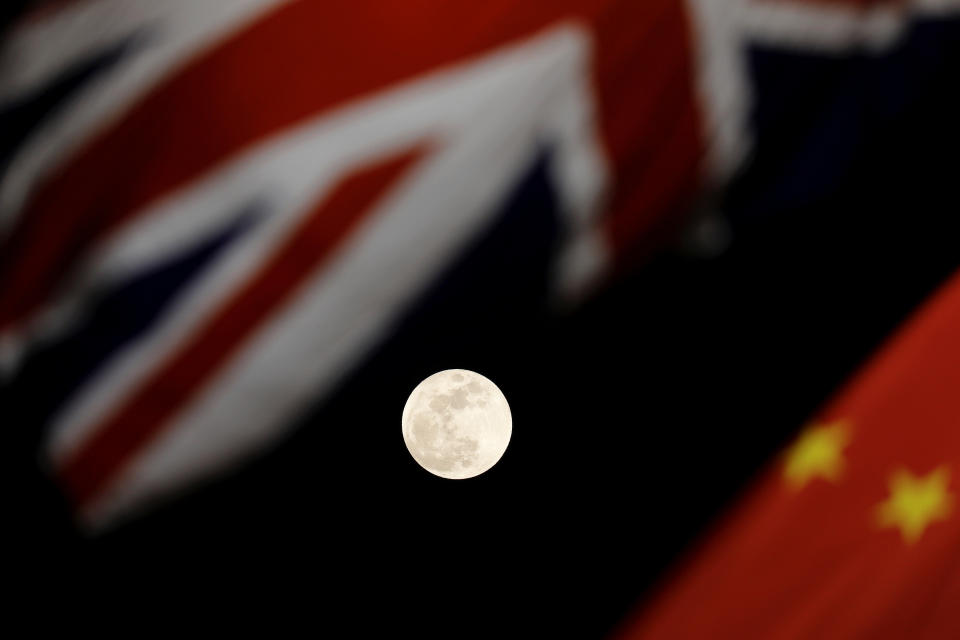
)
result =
(456, 424)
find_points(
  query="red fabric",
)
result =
(121, 435)
(308, 57)
(814, 560)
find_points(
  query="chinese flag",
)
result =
(854, 531)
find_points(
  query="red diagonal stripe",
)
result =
(294, 63)
(118, 439)
(306, 57)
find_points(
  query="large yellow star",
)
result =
(818, 451)
(915, 502)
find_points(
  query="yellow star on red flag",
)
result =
(817, 452)
(915, 502)
(789, 563)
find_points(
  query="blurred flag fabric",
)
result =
(211, 212)
(854, 531)
(214, 211)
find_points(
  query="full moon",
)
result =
(456, 424)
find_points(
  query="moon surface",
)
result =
(456, 424)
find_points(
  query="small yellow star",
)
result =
(915, 502)
(817, 452)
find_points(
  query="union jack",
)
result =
(210, 211)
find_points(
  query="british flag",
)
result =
(212, 212)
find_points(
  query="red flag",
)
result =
(854, 531)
